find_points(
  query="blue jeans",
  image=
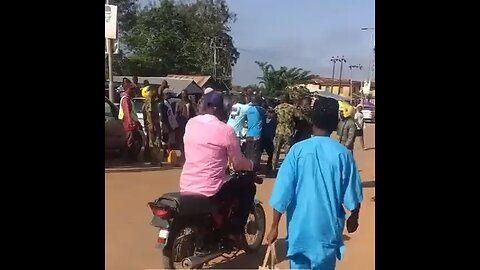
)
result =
(300, 261)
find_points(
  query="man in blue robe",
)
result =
(317, 181)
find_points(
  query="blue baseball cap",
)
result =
(214, 99)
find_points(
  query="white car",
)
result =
(369, 114)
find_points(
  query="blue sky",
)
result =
(301, 33)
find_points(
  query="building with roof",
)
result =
(349, 88)
(203, 81)
(176, 86)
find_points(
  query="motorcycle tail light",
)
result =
(160, 212)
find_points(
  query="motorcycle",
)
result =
(182, 217)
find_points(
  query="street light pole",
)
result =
(111, 95)
(351, 67)
(372, 52)
(342, 60)
(334, 60)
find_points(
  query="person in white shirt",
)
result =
(360, 123)
(238, 117)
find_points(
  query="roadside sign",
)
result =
(110, 21)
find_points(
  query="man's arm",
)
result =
(352, 191)
(360, 120)
(350, 135)
(178, 107)
(282, 193)
(164, 114)
(239, 161)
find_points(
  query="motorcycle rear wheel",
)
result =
(183, 246)
(255, 229)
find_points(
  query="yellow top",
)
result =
(145, 91)
(133, 115)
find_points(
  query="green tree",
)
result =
(156, 42)
(276, 81)
(178, 38)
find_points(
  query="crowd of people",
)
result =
(271, 130)
(317, 180)
(164, 121)
(264, 128)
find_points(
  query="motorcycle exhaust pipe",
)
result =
(196, 261)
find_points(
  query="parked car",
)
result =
(114, 133)
(369, 114)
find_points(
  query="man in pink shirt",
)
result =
(209, 145)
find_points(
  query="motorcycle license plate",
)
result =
(162, 238)
(163, 234)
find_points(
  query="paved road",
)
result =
(130, 240)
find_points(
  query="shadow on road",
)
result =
(252, 261)
(368, 184)
(113, 167)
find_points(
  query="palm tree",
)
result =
(278, 80)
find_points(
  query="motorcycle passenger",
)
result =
(209, 145)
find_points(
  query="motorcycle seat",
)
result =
(187, 203)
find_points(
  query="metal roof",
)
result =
(199, 79)
(176, 85)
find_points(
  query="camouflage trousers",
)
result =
(281, 141)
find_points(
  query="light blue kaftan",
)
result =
(317, 179)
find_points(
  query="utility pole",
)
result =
(372, 53)
(214, 46)
(351, 67)
(342, 60)
(111, 95)
(334, 60)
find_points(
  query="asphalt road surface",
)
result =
(130, 240)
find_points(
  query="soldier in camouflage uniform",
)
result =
(299, 93)
(285, 127)
(303, 120)
(151, 120)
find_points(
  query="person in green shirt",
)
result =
(151, 120)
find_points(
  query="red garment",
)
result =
(130, 136)
(128, 123)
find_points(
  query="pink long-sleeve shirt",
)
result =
(209, 144)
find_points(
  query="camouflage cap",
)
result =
(299, 92)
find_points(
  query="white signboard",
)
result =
(110, 21)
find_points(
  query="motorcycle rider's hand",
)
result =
(272, 235)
